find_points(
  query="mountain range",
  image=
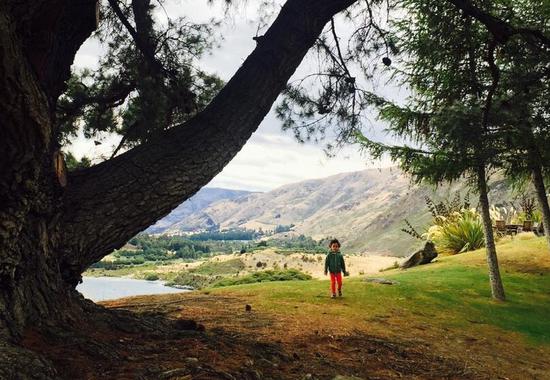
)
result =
(365, 210)
(190, 216)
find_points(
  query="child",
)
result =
(334, 263)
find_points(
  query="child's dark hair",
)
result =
(334, 241)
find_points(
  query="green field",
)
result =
(452, 293)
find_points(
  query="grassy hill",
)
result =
(439, 321)
(365, 209)
(453, 292)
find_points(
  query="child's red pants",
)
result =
(335, 278)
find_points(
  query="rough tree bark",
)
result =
(49, 234)
(38, 40)
(535, 167)
(540, 189)
(497, 288)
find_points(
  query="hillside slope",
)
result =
(189, 215)
(365, 209)
(442, 309)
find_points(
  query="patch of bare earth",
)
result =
(160, 340)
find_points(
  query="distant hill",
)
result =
(365, 209)
(189, 215)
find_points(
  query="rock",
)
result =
(384, 281)
(248, 308)
(422, 256)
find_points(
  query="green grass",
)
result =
(196, 280)
(452, 293)
(211, 268)
(265, 276)
(461, 295)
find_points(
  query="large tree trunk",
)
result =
(49, 232)
(31, 78)
(35, 55)
(497, 289)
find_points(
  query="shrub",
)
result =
(151, 277)
(220, 267)
(265, 276)
(460, 232)
(197, 281)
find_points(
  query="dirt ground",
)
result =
(216, 337)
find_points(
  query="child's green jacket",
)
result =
(334, 263)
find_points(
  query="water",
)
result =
(108, 288)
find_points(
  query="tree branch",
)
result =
(141, 42)
(114, 96)
(501, 30)
(54, 33)
(109, 203)
(495, 77)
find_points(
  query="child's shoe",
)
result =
(339, 293)
(333, 295)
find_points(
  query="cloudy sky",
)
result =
(271, 158)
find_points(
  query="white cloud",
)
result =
(268, 161)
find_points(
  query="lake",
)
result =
(108, 288)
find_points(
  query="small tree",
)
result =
(448, 117)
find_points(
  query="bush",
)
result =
(265, 276)
(107, 265)
(195, 280)
(151, 277)
(220, 267)
(460, 232)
